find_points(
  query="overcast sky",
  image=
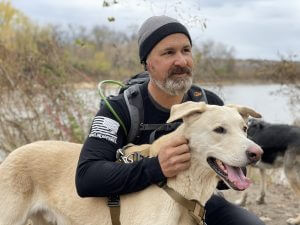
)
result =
(261, 29)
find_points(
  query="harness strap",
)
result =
(159, 127)
(134, 153)
(196, 210)
(164, 127)
(113, 203)
(131, 153)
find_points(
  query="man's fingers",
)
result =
(183, 166)
(179, 150)
(174, 156)
(177, 141)
(185, 157)
(176, 164)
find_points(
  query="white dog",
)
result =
(37, 181)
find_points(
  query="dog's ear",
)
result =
(245, 111)
(179, 111)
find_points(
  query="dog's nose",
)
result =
(254, 153)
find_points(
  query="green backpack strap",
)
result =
(106, 102)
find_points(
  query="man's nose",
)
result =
(180, 60)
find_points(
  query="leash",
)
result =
(113, 202)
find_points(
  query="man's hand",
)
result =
(174, 156)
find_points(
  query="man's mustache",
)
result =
(179, 70)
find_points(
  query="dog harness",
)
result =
(194, 207)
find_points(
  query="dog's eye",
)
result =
(220, 130)
(245, 129)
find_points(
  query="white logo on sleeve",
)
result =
(104, 127)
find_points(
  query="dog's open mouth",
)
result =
(233, 176)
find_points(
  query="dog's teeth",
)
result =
(221, 165)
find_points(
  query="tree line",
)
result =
(40, 67)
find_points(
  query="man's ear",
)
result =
(179, 111)
(245, 111)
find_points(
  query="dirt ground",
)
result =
(281, 203)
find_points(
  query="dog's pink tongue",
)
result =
(237, 177)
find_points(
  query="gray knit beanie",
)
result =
(154, 29)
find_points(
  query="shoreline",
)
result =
(94, 85)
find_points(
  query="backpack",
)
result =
(131, 89)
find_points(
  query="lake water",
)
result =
(265, 99)
(275, 108)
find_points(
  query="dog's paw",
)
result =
(293, 221)
(260, 200)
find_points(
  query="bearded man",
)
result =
(165, 50)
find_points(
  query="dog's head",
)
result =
(218, 139)
(272, 138)
(255, 126)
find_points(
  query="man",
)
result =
(165, 49)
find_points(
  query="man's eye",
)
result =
(168, 53)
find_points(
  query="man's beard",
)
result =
(174, 85)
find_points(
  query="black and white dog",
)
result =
(281, 146)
